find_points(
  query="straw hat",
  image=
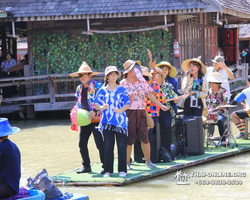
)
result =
(145, 72)
(218, 59)
(6, 128)
(215, 78)
(84, 69)
(129, 64)
(172, 71)
(110, 69)
(185, 65)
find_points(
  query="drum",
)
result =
(212, 118)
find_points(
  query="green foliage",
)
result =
(65, 52)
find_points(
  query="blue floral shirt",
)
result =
(93, 87)
(6, 65)
(115, 99)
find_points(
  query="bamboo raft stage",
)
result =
(140, 172)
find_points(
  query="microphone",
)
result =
(187, 73)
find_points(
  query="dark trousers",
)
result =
(165, 120)
(7, 91)
(6, 191)
(152, 138)
(83, 143)
(189, 111)
(109, 142)
(221, 126)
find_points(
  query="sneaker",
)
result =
(106, 175)
(240, 135)
(122, 174)
(84, 170)
(128, 167)
(150, 165)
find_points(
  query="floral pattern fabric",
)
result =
(217, 99)
(140, 89)
(93, 87)
(167, 90)
(6, 65)
(151, 108)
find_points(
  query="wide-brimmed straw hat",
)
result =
(6, 129)
(110, 69)
(84, 68)
(215, 77)
(159, 71)
(129, 64)
(218, 59)
(172, 71)
(186, 65)
(145, 72)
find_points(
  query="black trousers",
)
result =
(165, 120)
(109, 142)
(6, 191)
(7, 91)
(189, 111)
(83, 143)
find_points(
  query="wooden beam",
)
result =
(46, 96)
(67, 105)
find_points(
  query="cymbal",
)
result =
(179, 110)
(227, 106)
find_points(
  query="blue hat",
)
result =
(6, 129)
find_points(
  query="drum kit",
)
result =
(212, 119)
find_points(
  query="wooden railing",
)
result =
(53, 98)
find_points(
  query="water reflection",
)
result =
(52, 145)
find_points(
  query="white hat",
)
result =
(110, 69)
(215, 77)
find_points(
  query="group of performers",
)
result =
(120, 109)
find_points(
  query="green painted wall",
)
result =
(64, 52)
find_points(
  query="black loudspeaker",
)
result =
(189, 135)
(155, 144)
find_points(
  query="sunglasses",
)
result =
(196, 64)
(83, 75)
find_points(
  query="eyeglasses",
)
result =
(83, 75)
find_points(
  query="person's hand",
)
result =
(191, 93)
(164, 108)
(104, 107)
(176, 99)
(222, 65)
(117, 110)
(91, 114)
(244, 105)
(131, 96)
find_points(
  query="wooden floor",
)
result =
(140, 172)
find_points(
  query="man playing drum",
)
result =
(217, 97)
(239, 116)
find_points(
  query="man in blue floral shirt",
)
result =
(85, 94)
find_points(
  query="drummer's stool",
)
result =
(247, 127)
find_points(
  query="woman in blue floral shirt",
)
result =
(195, 84)
(5, 65)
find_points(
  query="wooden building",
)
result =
(61, 34)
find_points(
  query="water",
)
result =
(52, 145)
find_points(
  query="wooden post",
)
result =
(52, 90)
(29, 40)
(176, 61)
(29, 92)
(3, 34)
